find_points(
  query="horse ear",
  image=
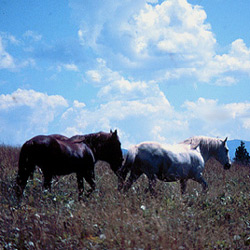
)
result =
(195, 146)
(111, 132)
(225, 141)
(114, 134)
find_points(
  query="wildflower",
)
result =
(143, 207)
(102, 237)
(31, 244)
(37, 216)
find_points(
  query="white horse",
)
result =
(182, 161)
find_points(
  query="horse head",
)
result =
(111, 151)
(222, 154)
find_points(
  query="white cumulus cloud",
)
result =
(30, 98)
(158, 40)
(27, 112)
(210, 117)
(6, 60)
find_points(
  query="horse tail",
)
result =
(25, 153)
(25, 168)
(130, 158)
(127, 166)
(22, 156)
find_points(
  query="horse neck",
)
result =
(205, 152)
(96, 143)
(208, 149)
(208, 146)
(91, 142)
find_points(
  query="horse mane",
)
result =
(207, 145)
(101, 143)
(203, 141)
(93, 139)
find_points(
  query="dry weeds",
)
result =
(219, 219)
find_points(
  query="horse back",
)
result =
(74, 157)
(57, 156)
(49, 148)
(78, 150)
(59, 137)
(167, 163)
(150, 158)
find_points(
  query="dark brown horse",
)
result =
(105, 146)
(55, 157)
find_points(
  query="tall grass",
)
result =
(219, 219)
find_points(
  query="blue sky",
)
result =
(154, 70)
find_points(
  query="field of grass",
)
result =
(219, 219)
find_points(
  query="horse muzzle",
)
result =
(227, 166)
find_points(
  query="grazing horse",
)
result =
(168, 163)
(55, 157)
(105, 147)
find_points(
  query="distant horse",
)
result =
(55, 157)
(105, 147)
(182, 161)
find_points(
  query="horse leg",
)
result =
(120, 183)
(134, 175)
(23, 175)
(123, 171)
(151, 184)
(183, 185)
(80, 183)
(202, 181)
(47, 181)
(121, 174)
(204, 185)
(91, 182)
(21, 182)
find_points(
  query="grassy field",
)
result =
(219, 219)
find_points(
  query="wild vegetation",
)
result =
(219, 219)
